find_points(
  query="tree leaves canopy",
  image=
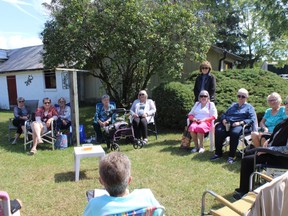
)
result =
(125, 42)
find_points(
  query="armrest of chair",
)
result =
(262, 175)
(221, 200)
(267, 150)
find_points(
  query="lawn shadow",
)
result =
(235, 167)
(69, 176)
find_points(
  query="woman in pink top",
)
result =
(201, 116)
(44, 117)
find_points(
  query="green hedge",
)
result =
(259, 84)
(173, 101)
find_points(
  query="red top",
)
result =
(40, 112)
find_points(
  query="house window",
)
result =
(50, 80)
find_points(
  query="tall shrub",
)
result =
(174, 100)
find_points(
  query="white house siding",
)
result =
(33, 90)
(93, 88)
(4, 99)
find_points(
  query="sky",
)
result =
(21, 22)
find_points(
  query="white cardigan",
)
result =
(150, 109)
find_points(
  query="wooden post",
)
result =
(74, 107)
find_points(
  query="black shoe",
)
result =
(238, 195)
(215, 157)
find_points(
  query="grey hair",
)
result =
(115, 171)
(143, 92)
(275, 95)
(20, 99)
(204, 92)
(105, 96)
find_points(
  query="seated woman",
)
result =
(141, 109)
(201, 115)
(64, 115)
(277, 142)
(273, 116)
(44, 116)
(231, 124)
(102, 118)
(115, 176)
(21, 114)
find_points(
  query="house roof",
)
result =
(22, 59)
(228, 54)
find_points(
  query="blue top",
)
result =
(236, 113)
(20, 112)
(107, 205)
(102, 114)
(273, 120)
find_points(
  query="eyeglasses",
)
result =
(61, 101)
(241, 96)
(205, 68)
(47, 102)
(20, 101)
(203, 96)
(286, 102)
(141, 94)
(272, 100)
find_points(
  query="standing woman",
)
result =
(44, 116)
(201, 115)
(21, 114)
(205, 81)
(64, 115)
(141, 109)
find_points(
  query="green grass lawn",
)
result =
(45, 182)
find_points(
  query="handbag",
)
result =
(61, 141)
(186, 138)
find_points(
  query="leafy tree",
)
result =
(125, 42)
(258, 42)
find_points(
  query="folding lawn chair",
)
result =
(152, 127)
(269, 199)
(32, 106)
(48, 137)
(5, 208)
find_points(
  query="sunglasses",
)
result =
(241, 96)
(61, 101)
(272, 100)
(21, 101)
(47, 102)
(205, 68)
(203, 96)
(286, 102)
(141, 94)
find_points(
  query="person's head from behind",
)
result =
(105, 100)
(115, 173)
(205, 67)
(274, 100)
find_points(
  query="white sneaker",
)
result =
(194, 150)
(145, 140)
(201, 150)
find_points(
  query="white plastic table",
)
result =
(85, 152)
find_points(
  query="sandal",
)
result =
(32, 152)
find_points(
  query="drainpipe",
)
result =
(224, 57)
